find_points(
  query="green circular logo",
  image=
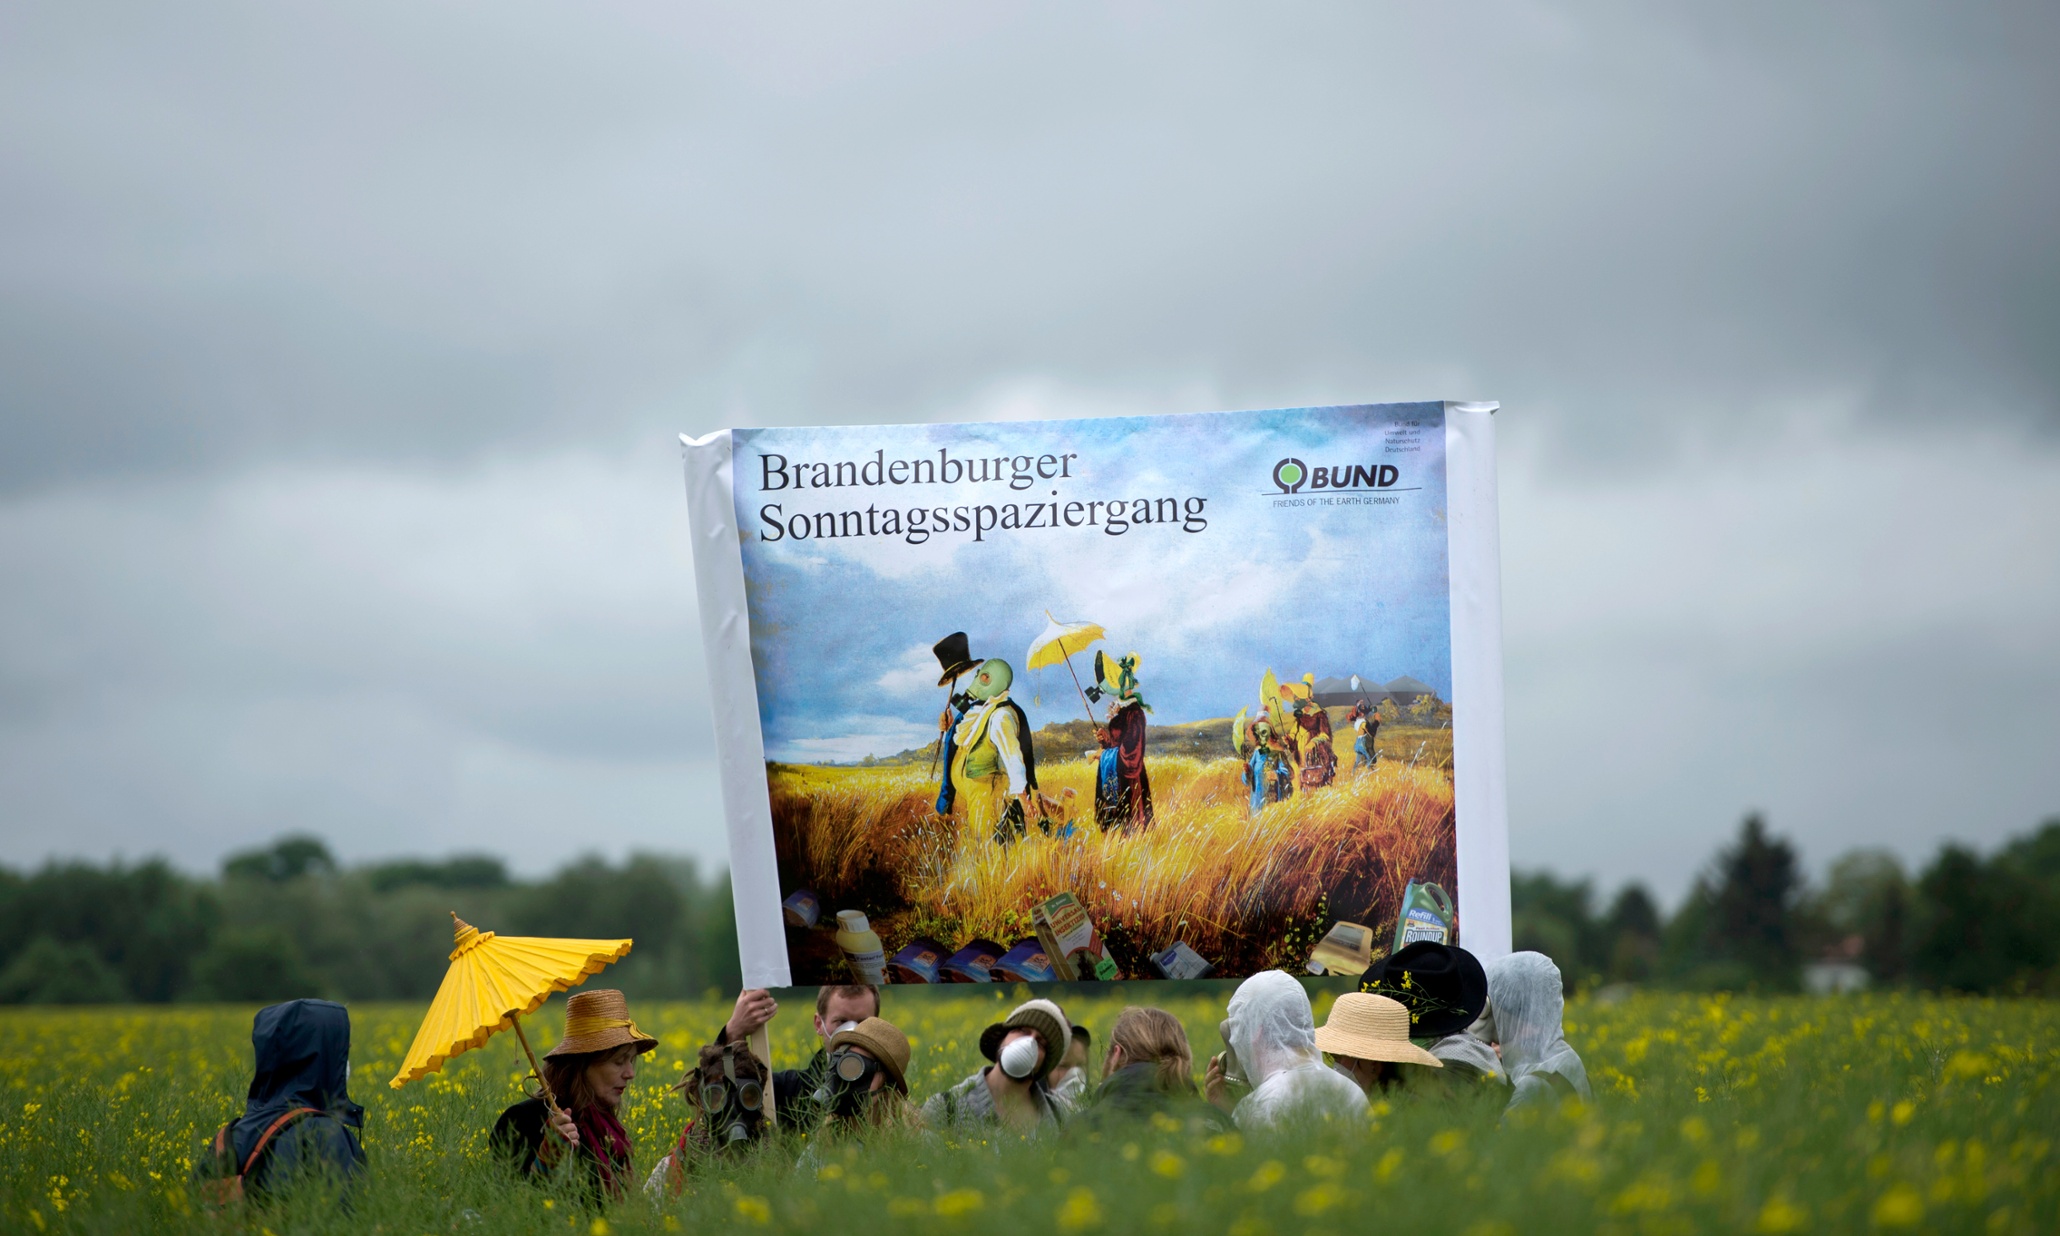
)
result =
(1289, 474)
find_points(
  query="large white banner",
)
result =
(1126, 698)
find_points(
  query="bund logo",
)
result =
(1290, 474)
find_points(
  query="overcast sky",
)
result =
(343, 351)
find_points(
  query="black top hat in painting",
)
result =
(954, 656)
(1442, 986)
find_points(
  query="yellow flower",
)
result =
(1166, 1163)
(1081, 1210)
(1781, 1215)
(1899, 1207)
(754, 1209)
(959, 1202)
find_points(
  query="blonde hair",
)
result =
(1156, 1037)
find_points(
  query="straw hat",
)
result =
(1042, 1016)
(599, 1021)
(884, 1041)
(1368, 1027)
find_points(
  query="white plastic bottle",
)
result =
(862, 948)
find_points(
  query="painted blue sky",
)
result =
(842, 627)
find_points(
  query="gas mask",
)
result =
(848, 1083)
(992, 679)
(729, 1087)
(1233, 1069)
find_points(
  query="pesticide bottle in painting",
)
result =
(1427, 914)
(861, 947)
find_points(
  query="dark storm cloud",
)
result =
(341, 349)
(251, 232)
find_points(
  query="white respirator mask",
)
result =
(1019, 1057)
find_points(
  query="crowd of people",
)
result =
(1426, 1018)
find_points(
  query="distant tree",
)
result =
(145, 923)
(1867, 895)
(287, 859)
(49, 972)
(1987, 926)
(1759, 882)
(1632, 928)
(1556, 917)
(460, 871)
(254, 965)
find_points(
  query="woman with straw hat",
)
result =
(1368, 1038)
(587, 1073)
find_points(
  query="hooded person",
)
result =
(1525, 1002)
(1122, 787)
(994, 766)
(298, 1118)
(1272, 1034)
(1013, 1090)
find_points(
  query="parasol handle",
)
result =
(535, 1069)
(1092, 723)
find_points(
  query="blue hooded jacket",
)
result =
(302, 1049)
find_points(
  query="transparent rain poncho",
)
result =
(1273, 1033)
(1470, 1051)
(1525, 1002)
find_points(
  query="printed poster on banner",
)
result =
(1122, 698)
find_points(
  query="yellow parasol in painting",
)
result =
(493, 982)
(1058, 642)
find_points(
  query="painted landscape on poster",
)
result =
(1112, 698)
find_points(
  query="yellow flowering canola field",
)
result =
(1900, 1113)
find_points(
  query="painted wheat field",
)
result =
(1864, 1114)
(1248, 891)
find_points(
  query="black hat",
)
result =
(954, 656)
(1442, 986)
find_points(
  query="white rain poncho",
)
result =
(1525, 1001)
(1274, 1035)
(1470, 1051)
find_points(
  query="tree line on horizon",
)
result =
(288, 920)
(1752, 922)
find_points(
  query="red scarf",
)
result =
(602, 1136)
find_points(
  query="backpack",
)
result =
(227, 1187)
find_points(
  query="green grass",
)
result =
(1712, 1114)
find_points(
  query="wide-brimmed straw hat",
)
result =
(884, 1041)
(599, 1021)
(1368, 1027)
(1042, 1016)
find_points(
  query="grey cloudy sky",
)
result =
(342, 350)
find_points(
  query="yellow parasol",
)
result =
(493, 981)
(1058, 642)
